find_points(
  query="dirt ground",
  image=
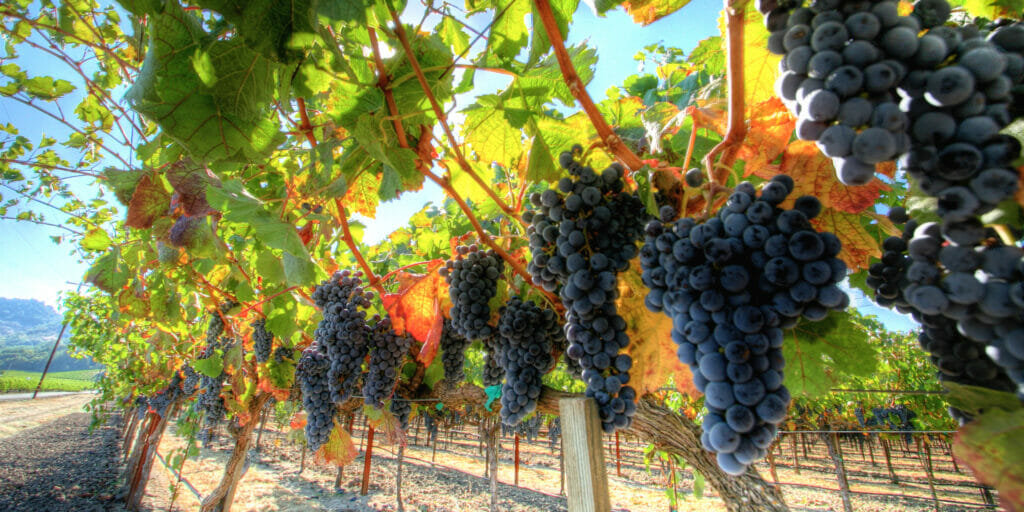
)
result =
(49, 461)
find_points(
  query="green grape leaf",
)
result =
(232, 120)
(976, 400)
(212, 366)
(821, 354)
(277, 29)
(109, 273)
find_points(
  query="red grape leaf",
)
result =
(189, 182)
(149, 202)
(415, 308)
(339, 448)
(993, 445)
(650, 345)
(815, 176)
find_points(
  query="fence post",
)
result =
(585, 469)
(888, 462)
(927, 463)
(796, 456)
(618, 456)
(771, 464)
(365, 486)
(517, 459)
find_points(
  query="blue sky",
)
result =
(34, 267)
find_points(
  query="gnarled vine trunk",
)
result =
(224, 494)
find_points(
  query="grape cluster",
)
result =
(525, 332)
(282, 353)
(262, 340)
(958, 281)
(472, 279)
(868, 87)
(401, 408)
(582, 234)
(431, 425)
(161, 401)
(190, 383)
(311, 374)
(209, 400)
(388, 349)
(731, 285)
(453, 354)
(492, 371)
(554, 432)
(343, 330)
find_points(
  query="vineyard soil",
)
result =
(50, 461)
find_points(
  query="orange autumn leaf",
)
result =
(815, 176)
(768, 133)
(858, 245)
(298, 421)
(651, 345)
(339, 448)
(416, 307)
(266, 386)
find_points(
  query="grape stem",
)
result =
(351, 243)
(383, 83)
(579, 91)
(735, 13)
(441, 116)
(304, 126)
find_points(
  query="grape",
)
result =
(401, 408)
(453, 354)
(587, 247)
(821, 105)
(949, 86)
(694, 177)
(526, 333)
(845, 81)
(728, 308)
(342, 332)
(387, 351)
(262, 340)
(311, 374)
(472, 279)
(823, 63)
(873, 145)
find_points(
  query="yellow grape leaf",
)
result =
(815, 176)
(361, 196)
(858, 245)
(339, 448)
(768, 133)
(650, 341)
(646, 12)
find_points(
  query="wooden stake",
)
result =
(341, 475)
(618, 456)
(398, 478)
(837, 456)
(871, 450)
(771, 464)
(561, 468)
(585, 469)
(888, 462)
(365, 486)
(517, 459)
(259, 435)
(302, 459)
(796, 456)
(927, 463)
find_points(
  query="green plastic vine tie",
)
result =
(493, 393)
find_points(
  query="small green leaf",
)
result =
(203, 66)
(212, 366)
(975, 400)
(96, 240)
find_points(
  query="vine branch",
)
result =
(442, 117)
(383, 83)
(735, 12)
(579, 91)
(351, 243)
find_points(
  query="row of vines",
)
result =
(710, 227)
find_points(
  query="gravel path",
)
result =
(60, 467)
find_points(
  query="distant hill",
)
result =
(28, 330)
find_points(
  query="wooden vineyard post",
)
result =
(618, 456)
(493, 432)
(365, 486)
(517, 459)
(561, 467)
(832, 442)
(341, 475)
(871, 450)
(398, 478)
(927, 463)
(139, 473)
(796, 456)
(433, 448)
(132, 427)
(888, 462)
(221, 498)
(302, 459)
(586, 479)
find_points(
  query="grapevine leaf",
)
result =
(815, 176)
(541, 163)
(429, 349)
(651, 345)
(820, 354)
(991, 9)
(976, 400)
(760, 67)
(509, 34)
(211, 366)
(232, 120)
(491, 135)
(546, 81)
(189, 182)
(238, 206)
(278, 29)
(414, 308)
(769, 131)
(149, 201)
(992, 445)
(646, 12)
(109, 273)
(123, 183)
(859, 246)
(339, 448)
(562, 11)
(96, 240)
(453, 35)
